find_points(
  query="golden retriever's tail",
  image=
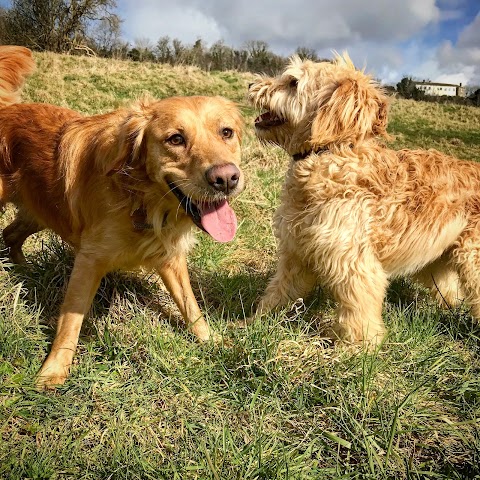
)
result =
(16, 63)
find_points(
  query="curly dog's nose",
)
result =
(223, 178)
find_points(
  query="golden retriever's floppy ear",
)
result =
(356, 110)
(103, 143)
(130, 145)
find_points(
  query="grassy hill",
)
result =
(273, 401)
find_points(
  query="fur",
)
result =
(15, 64)
(89, 178)
(355, 214)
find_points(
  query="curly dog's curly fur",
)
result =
(355, 214)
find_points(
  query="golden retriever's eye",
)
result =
(176, 139)
(294, 83)
(227, 133)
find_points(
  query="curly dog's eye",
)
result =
(176, 139)
(294, 83)
(227, 133)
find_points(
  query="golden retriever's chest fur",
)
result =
(114, 238)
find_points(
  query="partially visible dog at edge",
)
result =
(124, 189)
(355, 214)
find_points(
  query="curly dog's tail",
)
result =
(16, 63)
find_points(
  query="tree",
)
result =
(163, 50)
(471, 89)
(142, 50)
(475, 97)
(3, 17)
(257, 55)
(105, 36)
(57, 25)
(221, 56)
(261, 59)
(178, 51)
(197, 54)
(307, 54)
(407, 88)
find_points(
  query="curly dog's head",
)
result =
(315, 105)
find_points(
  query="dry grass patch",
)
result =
(274, 400)
(452, 129)
(94, 85)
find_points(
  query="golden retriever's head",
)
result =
(314, 105)
(191, 146)
(178, 150)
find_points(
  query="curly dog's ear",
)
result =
(379, 127)
(355, 110)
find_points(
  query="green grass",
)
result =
(452, 129)
(276, 400)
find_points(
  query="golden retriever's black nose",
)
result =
(223, 178)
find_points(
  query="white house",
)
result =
(440, 89)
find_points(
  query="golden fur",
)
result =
(106, 185)
(355, 214)
(15, 64)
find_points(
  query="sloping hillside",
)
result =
(274, 401)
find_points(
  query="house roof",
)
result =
(437, 84)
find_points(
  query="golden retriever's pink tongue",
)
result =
(219, 220)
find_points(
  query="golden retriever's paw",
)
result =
(201, 330)
(205, 334)
(50, 377)
(216, 340)
(50, 382)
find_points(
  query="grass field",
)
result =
(144, 401)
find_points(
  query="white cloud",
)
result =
(379, 34)
(154, 19)
(282, 23)
(463, 77)
(462, 60)
(470, 36)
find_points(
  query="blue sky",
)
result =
(428, 39)
(456, 16)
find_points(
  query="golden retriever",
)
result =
(355, 214)
(123, 188)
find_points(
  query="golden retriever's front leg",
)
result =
(175, 276)
(83, 284)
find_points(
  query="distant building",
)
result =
(440, 89)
